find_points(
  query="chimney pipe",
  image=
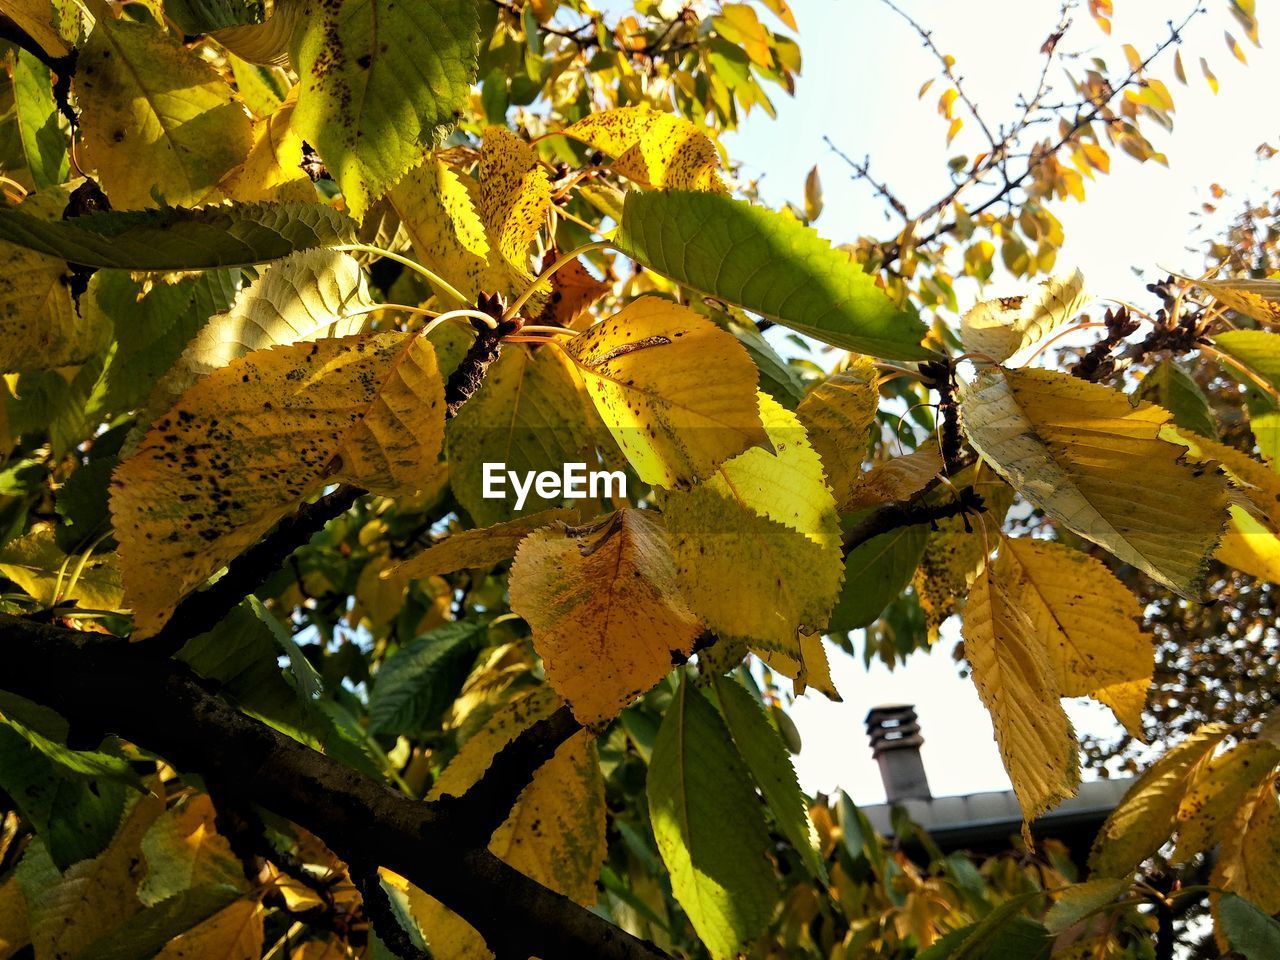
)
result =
(895, 743)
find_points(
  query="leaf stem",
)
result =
(560, 262)
(407, 261)
(454, 314)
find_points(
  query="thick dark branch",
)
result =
(487, 804)
(895, 515)
(162, 706)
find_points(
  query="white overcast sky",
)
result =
(862, 69)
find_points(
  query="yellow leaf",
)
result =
(1250, 547)
(183, 850)
(1249, 855)
(40, 328)
(37, 564)
(514, 195)
(271, 169)
(555, 833)
(529, 414)
(810, 669)
(646, 369)
(1234, 46)
(36, 17)
(233, 933)
(93, 896)
(1209, 75)
(837, 415)
(1001, 328)
(1145, 818)
(1096, 464)
(894, 480)
(1257, 299)
(651, 148)
(253, 439)
(1216, 791)
(605, 609)
(39, 323)
(481, 547)
(758, 545)
(153, 116)
(1015, 679)
(439, 216)
(1088, 621)
(13, 919)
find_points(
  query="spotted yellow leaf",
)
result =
(1001, 328)
(554, 834)
(652, 148)
(1088, 621)
(1216, 791)
(1098, 465)
(1144, 820)
(253, 439)
(646, 369)
(1015, 679)
(155, 117)
(437, 210)
(758, 544)
(837, 415)
(514, 195)
(1248, 860)
(605, 608)
(480, 547)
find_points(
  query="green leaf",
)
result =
(709, 828)
(874, 574)
(76, 815)
(378, 80)
(178, 238)
(304, 674)
(1171, 387)
(766, 757)
(1003, 934)
(768, 264)
(43, 140)
(1081, 900)
(418, 682)
(1257, 350)
(1249, 931)
(153, 322)
(203, 16)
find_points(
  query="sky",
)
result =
(862, 69)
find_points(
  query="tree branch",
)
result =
(912, 513)
(162, 706)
